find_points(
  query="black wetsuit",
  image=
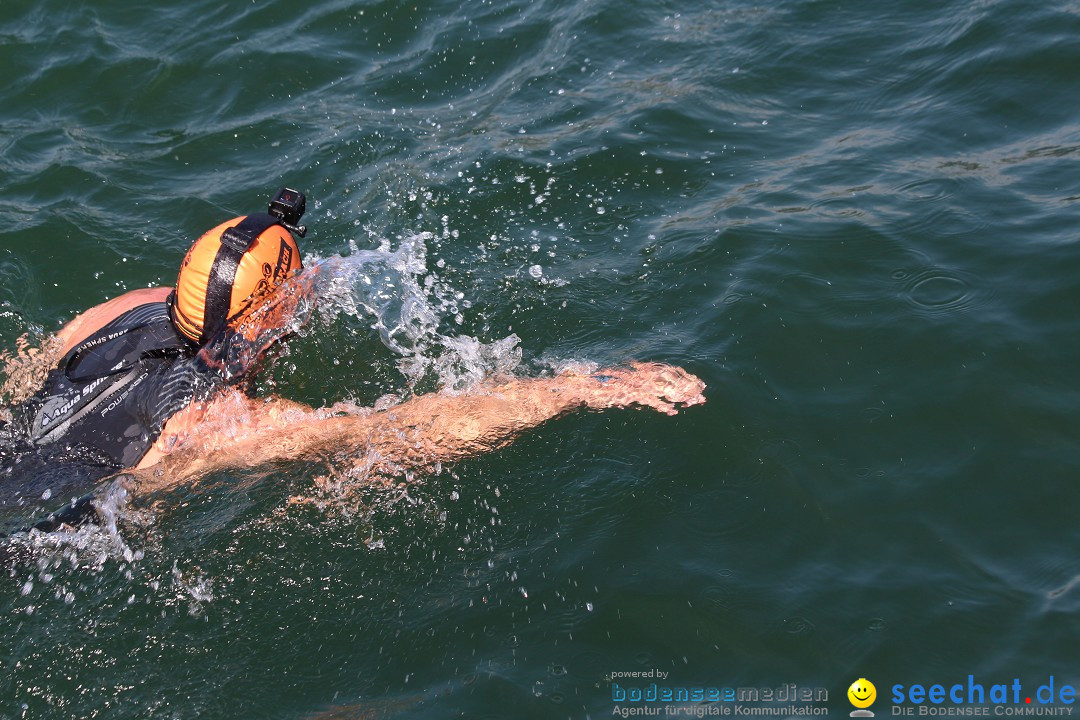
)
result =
(99, 411)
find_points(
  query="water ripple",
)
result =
(939, 291)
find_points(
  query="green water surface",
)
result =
(856, 221)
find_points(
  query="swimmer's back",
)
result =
(87, 323)
(122, 373)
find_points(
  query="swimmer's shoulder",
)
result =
(87, 323)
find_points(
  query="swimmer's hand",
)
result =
(664, 388)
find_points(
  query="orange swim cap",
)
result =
(226, 269)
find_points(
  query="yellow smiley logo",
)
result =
(862, 693)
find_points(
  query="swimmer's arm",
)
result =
(416, 435)
(440, 428)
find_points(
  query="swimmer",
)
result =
(149, 384)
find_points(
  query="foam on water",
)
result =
(411, 308)
(89, 546)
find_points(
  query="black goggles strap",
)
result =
(234, 243)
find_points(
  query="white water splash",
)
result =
(88, 546)
(193, 586)
(405, 303)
